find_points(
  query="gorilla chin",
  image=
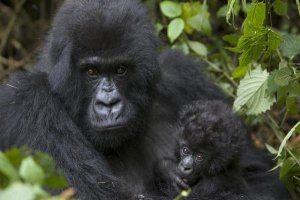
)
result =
(112, 129)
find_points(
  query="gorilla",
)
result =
(209, 141)
(101, 101)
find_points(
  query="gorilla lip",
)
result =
(113, 127)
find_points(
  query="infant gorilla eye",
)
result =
(185, 151)
(92, 71)
(199, 157)
(121, 70)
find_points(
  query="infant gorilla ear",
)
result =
(210, 138)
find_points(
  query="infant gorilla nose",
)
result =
(186, 167)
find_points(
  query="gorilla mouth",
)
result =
(111, 127)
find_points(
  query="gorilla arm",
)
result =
(33, 116)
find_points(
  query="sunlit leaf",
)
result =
(175, 29)
(31, 172)
(170, 9)
(198, 48)
(271, 149)
(251, 93)
(255, 16)
(287, 137)
(18, 191)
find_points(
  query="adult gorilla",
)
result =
(99, 103)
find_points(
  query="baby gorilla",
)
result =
(210, 138)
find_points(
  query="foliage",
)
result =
(260, 69)
(251, 47)
(26, 175)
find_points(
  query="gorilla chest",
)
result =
(132, 170)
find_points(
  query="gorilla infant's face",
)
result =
(192, 163)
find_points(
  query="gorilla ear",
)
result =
(61, 71)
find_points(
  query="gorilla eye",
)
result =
(92, 71)
(185, 151)
(121, 70)
(199, 157)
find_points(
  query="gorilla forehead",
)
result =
(104, 25)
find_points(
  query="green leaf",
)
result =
(294, 89)
(239, 72)
(231, 38)
(175, 29)
(170, 9)
(274, 40)
(292, 106)
(255, 16)
(288, 164)
(183, 47)
(251, 93)
(201, 23)
(7, 168)
(222, 12)
(282, 93)
(290, 46)
(287, 137)
(198, 48)
(297, 128)
(230, 9)
(253, 44)
(18, 191)
(31, 172)
(280, 7)
(189, 10)
(283, 76)
(56, 182)
(271, 149)
(272, 86)
(158, 27)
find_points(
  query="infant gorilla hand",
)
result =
(170, 167)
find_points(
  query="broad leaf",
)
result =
(31, 172)
(18, 191)
(252, 95)
(201, 22)
(175, 29)
(7, 168)
(290, 46)
(255, 16)
(280, 7)
(283, 76)
(170, 9)
(198, 48)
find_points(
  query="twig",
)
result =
(11, 26)
(298, 6)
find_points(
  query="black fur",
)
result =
(48, 109)
(210, 131)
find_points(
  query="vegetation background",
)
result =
(251, 49)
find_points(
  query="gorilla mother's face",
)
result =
(113, 54)
(105, 53)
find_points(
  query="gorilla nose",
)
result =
(185, 170)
